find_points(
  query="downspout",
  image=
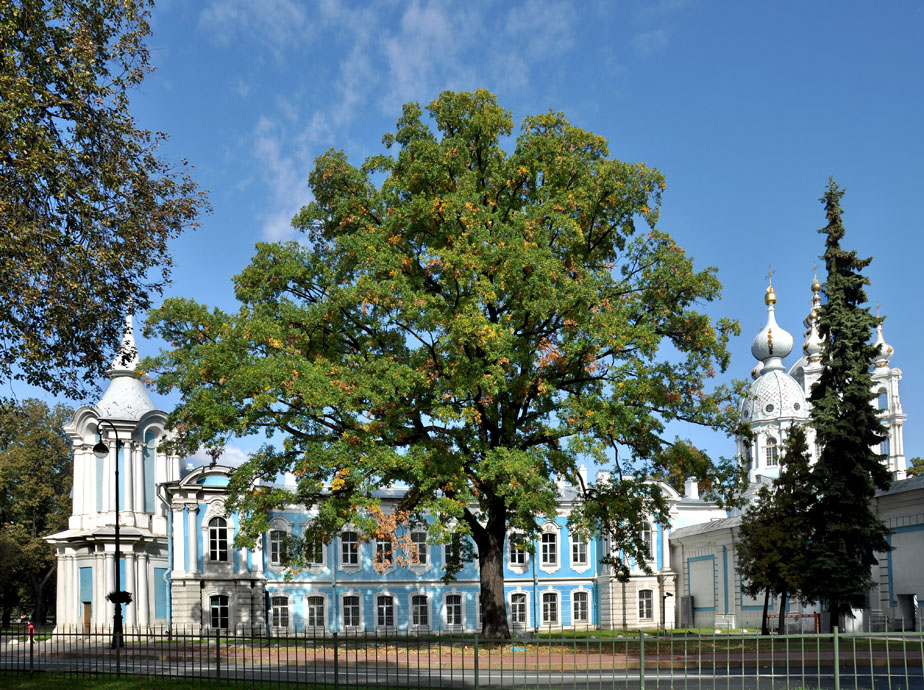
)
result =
(168, 576)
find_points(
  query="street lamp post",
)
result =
(117, 597)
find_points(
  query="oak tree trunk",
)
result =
(490, 542)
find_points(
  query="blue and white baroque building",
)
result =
(179, 561)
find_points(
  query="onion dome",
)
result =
(883, 349)
(775, 395)
(126, 396)
(755, 372)
(813, 342)
(772, 344)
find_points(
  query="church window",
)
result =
(419, 539)
(349, 548)
(882, 402)
(768, 408)
(218, 608)
(518, 608)
(277, 543)
(385, 606)
(579, 602)
(773, 453)
(645, 604)
(796, 406)
(885, 448)
(550, 608)
(280, 611)
(218, 540)
(549, 548)
(645, 537)
(314, 612)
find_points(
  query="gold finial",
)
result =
(770, 297)
(816, 286)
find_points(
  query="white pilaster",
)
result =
(179, 553)
(138, 459)
(128, 478)
(108, 474)
(143, 598)
(242, 561)
(258, 558)
(130, 587)
(61, 578)
(107, 605)
(192, 540)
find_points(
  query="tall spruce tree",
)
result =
(776, 532)
(847, 532)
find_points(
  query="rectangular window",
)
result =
(454, 610)
(518, 608)
(549, 608)
(549, 548)
(578, 552)
(420, 610)
(314, 552)
(218, 607)
(385, 607)
(517, 549)
(420, 546)
(351, 612)
(383, 551)
(277, 546)
(280, 609)
(645, 605)
(314, 612)
(349, 548)
(579, 613)
(218, 540)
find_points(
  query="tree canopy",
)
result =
(86, 206)
(35, 484)
(847, 532)
(466, 323)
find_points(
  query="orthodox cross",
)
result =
(770, 273)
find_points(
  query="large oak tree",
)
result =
(86, 205)
(468, 324)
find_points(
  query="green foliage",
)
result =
(86, 207)
(468, 323)
(35, 484)
(849, 472)
(776, 533)
(915, 466)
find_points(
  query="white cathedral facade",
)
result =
(179, 562)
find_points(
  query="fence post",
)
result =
(641, 659)
(336, 661)
(218, 656)
(31, 652)
(837, 662)
(476, 661)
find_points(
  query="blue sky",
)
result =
(746, 107)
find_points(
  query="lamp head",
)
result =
(101, 450)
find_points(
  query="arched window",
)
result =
(218, 539)
(549, 608)
(218, 609)
(885, 449)
(773, 453)
(550, 548)
(518, 608)
(645, 536)
(349, 548)
(419, 539)
(517, 549)
(385, 609)
(278, 547)
(645, 604)
(882, 401)
(314, 612)
(351, 618)
(453, 610)
(420, 611)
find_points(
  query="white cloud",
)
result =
(284, 171)
(231, 456)
(275, 24)
(650, 42)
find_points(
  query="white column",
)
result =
(61, 577)
(242, 561)
(143, 598)
(179, 552)
(138, 458)
(77, 498)
(258, 558)
(192, 540)
(130, 587)
(75, 612)
(126, 491)
(665, 549)
(108, 474)
(107, 607)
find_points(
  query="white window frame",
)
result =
(274, 625)
(376, 602)
(522, 565)
(341, 552)
(772, 452)
(385, 547)
(414, 608)
(444, 617)
(643, 604)
(550, 597)
(227, 596)
(582, 565)
(587, 615)
(359, 606)
(647, 537)
(423, 549)
(277, 546)
(325, 610)
(519, 625)
(550, 531)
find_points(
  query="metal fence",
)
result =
(585, 659)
